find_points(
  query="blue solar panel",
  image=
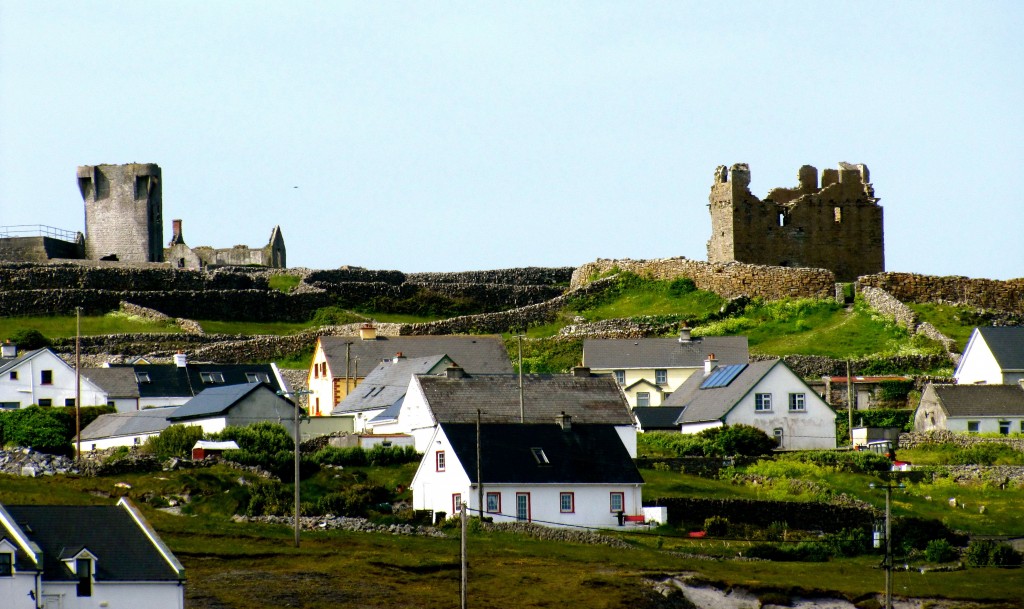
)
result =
(722, 376)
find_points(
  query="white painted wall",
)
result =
(978, 365)
(985, 424)
(676, 376)
(27, 388)
(157, 595)
(103, 443)
(813, 428)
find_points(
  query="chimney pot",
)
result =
(684, 335)
(710, 364)
(8, 350)
(368, 332)
(180, 360)
(580, 371)
(564, 421)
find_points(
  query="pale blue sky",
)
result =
(446, 136)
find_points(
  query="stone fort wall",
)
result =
(990, 294)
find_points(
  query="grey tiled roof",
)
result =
(118, 382)
(150, 420)
(587, 399)
(123, 552)
(216, 400)
(585, 454)
(1006, 344)
(663, 352)
(476, 354)
(712, 404)
(652, 418)
(10, 364)
(387, 383)
(981, 400)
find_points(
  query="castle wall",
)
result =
(837, 226)
(991, 294)
(39, 249)
(123, 212)
(726, 280)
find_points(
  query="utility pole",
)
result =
(464, 583)
(297, 439)
(849, 399)
(78, 384)
(888, 560)
(479, 469)
(348, 359)
(522, 407)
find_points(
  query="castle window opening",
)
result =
(838, 213)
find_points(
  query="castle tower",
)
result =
(837, 226)
(123, 212)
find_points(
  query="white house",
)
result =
(558, 474)
(767, 395)
(125, 428)
(235, 405)
(971, 408)
(458, 397)
(994, 356)
(85, 557)
(41, 377)
(650, 369)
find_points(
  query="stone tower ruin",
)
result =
(123, 212)
(837, 226)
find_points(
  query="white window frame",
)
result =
(643, 398)
(661, 376)
(562, 507)
(496, 509)
(762, 402)
(620, 377)
(798, 402)
(621, 496)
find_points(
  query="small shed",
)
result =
(206, 448)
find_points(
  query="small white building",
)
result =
(125, 428)
(41, 377)
(235, 405)
(767, 395)
(557, 474)
(994, 356)
(85, 557)
(971, 408)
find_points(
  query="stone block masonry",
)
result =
(990, 294)
(123, 212)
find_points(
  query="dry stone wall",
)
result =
(728, 280)
(26, 276)
(992, 294)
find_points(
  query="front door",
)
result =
(523, 507)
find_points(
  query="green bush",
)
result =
(986, 453)
(174, 441)
(335, 316)
(270, 498)
(28, 339)
(940, 550)
(681, 287)
(357, 500)
(987, 553)
(38, 428)
(716, 526)
(854, 462)
(739, 439)
(379, 455)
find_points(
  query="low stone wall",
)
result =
(355, 275)
(886, 304)
(921, 438)
(807, 516)
(726, 280)
(60, 276)
(982, 293)
(519, 277)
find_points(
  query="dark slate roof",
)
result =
(118, 382)
(150, 420)
(712, 404)
(622, 353)
(123, 551)
(1006, 344)
(476, 354)
(652, 418)
(217, 400)
(169, 380)
(387, 383)
(587, 399)
(586, 454)
(981, 400)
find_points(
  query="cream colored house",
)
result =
(650, 369)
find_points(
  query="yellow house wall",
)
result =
(676, 377)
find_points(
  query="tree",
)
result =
(38, 428)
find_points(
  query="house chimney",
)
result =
(8, 350)
(180, 359)
(710, 364)
(397, 358)
(176, 236)
(564, 421)
(580, 372)
(684, 335)
(454, 372)
(367, 332)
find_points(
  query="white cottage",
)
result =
(41, 377)
(994, 356)
(558, 474)
(767, 395)
(85, 557)
(971, 408)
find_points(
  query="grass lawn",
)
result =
(63, 326)
(954, 321)
(246, 328)
(695, 304)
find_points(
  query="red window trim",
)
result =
(529, 507)
(439, 462)
(487, 502)
(572, 501)
(456, 502)
(622, 502)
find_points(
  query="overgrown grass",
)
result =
(249, 328)
(63, 326)
(956, 322)
(284, 283)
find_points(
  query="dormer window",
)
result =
(257, 377)
(538, 454)
(142, 377)
(211, 377)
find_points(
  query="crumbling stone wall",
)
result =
(837, 226)
(522, 276)
(726, 280)
(992, 294)
(61, 276)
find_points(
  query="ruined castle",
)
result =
(835, 226)
(124, 223)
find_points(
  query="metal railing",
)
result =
(37, 230)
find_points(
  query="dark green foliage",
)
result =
(987, 553)
(424, 303)
(885, 417)
(940, 550)
(268, 446)
(681, 287)
(355, 501)
(662, 442)
(38, 428)
(175, 441)
(28, 339)
(846, 543)
(895, 390)
(546, 355)
(87, 414)
(716, 526)
(268, 497)
(335, 316)
(855, 462)
(740, 439)
(378, 455)
(984, 453)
